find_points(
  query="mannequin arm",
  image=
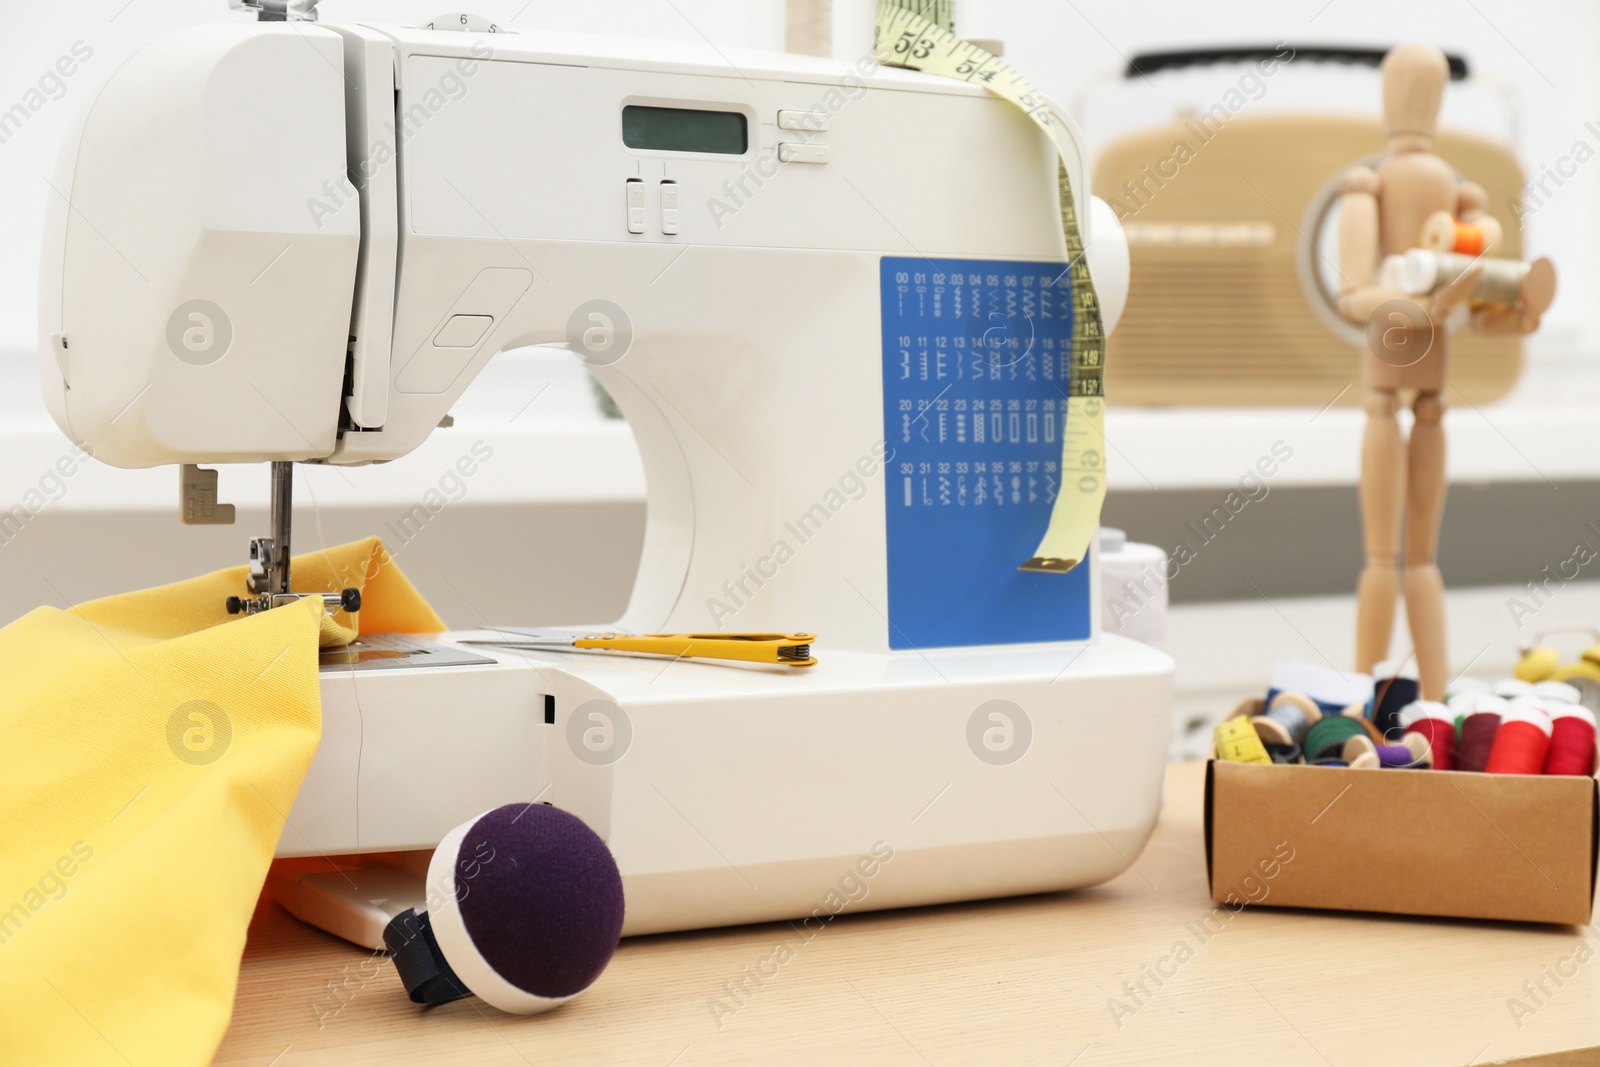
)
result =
(1358, 247)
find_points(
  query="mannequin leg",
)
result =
(1424, 586)
(1382, 493)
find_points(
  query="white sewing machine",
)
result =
(789, 274)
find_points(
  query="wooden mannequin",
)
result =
(1382, 212)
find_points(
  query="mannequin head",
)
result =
(1414, 76)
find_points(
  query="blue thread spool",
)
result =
(1287, 719)
(1388, 697)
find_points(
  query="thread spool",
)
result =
(1423, 272)
(1358, 710)
(1283, 753)
(1535, 706)
(1371, 729)
(1560, 692)
(1434, 724)
(1326, 739)
(1442, 233)
(1361, 753)
(1512, 687)
(1388, 697)
(1287, 719)
(1480, 721)
(1463, 686)
(1588, 692)
(1418, 753)
(1572, 742)
(1329, 689)
(1521, 744)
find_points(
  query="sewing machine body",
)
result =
(730, 795)
(498, 203)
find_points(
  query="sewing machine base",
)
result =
(735, 794)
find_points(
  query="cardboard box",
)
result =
(1415, 842)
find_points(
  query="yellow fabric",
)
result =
(152, 747)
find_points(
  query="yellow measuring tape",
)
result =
(918, 36)
(1236, 740)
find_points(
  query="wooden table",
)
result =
(1031, 980)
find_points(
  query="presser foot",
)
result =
(345, 600)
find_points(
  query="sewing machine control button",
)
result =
(790, 152)
(814, 121)
(635, 205)
(463, 331)
(669, 207)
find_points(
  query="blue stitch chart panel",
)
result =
(976, 364)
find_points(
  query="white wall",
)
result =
(37, 34)
(1543, 49)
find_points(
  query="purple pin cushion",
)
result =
(530, 906)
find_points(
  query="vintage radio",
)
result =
(1231, 220)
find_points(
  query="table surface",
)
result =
(1028, 980)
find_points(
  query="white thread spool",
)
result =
(1510, 688)
(1559, 691)
(1133, 588)
(1423, 272)
(1471, 703)
(1465, 685)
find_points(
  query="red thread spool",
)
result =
(1521, 744)
(1433, 723)
(1482, 719)
(1572, 742)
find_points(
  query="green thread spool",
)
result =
(1327, 738)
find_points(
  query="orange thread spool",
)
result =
(1442, 233)
(1469, 240)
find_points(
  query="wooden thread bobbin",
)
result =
(1360, 752)
(1278, 726)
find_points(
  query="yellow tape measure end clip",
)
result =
(1049, 565)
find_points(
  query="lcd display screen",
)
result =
(681, 129)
